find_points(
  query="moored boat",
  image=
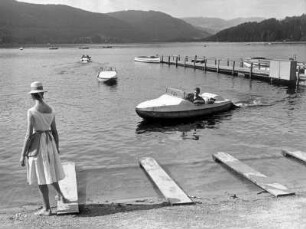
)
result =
(85, 59)
(107, 74)
(53, 47)
(174, 104)
(147, 59)
(261, 63)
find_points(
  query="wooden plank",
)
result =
(295, 153)
(251, 174)
(170, 190)
(69, 188)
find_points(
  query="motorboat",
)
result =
(85, 59)
(147, 59)
(53, 47)
(260, 63)
(176, 104)
(107, 74)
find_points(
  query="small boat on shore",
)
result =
(147, 59)
(174, 105)
(85, 59)
(107, 75)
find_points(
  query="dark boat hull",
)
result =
(183, 114)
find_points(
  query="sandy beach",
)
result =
(233, 211)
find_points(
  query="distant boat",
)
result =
(107, 46)
(107, 75)
(85, 59)
(147, 59)
(83, 47)
(53, 47)
(21, 48)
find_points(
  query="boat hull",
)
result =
(175, 114)
(147, 59)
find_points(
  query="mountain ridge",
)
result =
(37, 24)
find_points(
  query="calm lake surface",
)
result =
(100, 131)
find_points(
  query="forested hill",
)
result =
(160, 26)
(288, 29)
(40, 24)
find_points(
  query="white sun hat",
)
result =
(36, 87)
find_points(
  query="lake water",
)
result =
(100, 131)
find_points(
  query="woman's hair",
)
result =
(38, 96)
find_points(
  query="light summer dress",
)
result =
(46, 167)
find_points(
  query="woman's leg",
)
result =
(46, 204)
(59, 192)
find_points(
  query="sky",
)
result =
(226, 9)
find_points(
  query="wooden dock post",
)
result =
(162, 59)
(169, 59)
(218, 66)
(251, 70)
(166, 185)
(176, 59)
(185, 59)
(253, 175)
(215, 62)
(194, 61)
(233, 70)
(298, 75)
(69, 189)
(227, 62)
(205, 63)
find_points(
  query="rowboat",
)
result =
(175, 104)
(147, 59)
(107, 74)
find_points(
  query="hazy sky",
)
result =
(226, 9)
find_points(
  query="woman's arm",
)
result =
(55, 134)
(27, 138)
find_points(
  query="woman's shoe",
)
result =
(43, 212)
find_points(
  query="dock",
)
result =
(69, 188)
(166, 185)
(282, 71)
(299, 155)
(252, 175)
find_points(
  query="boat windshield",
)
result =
(175, 92)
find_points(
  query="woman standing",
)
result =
(45, 167)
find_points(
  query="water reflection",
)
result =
(111, 83)
(189, 128)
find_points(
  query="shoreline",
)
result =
(116, 45)
(237, 212)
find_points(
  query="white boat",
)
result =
(85, 59)
(53, 47)
(21, 48)
(107, 74)
(147, 59)
(174, 104)
(261, 63)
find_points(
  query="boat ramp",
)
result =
(282, 71)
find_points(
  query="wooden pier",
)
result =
(252, 175)
(69, 188)
(166, 185)
(256, 70)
